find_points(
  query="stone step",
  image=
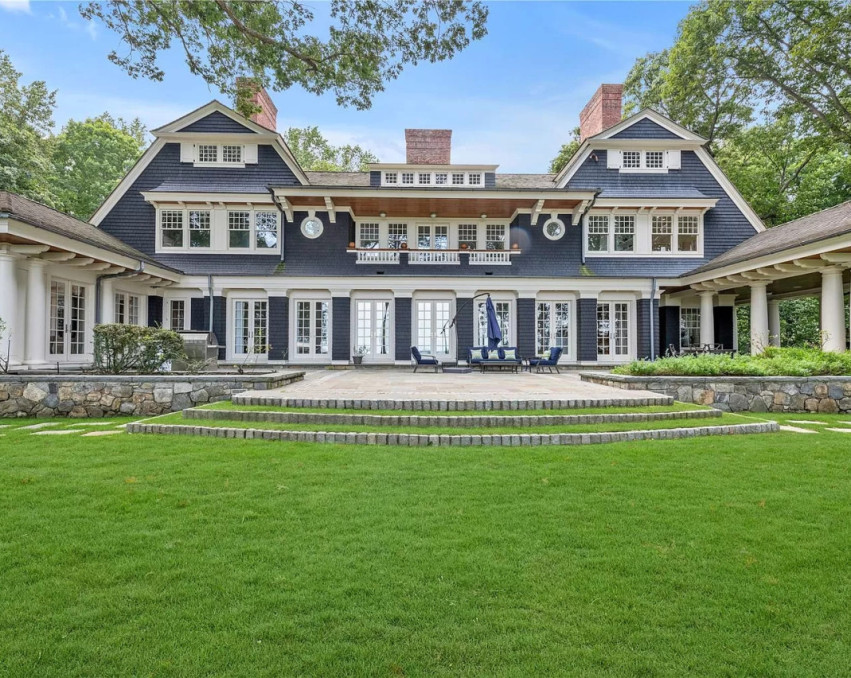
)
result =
(450, 405)
(468, 421)
(426, 440)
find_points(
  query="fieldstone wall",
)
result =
(827, 395)
(85, 395)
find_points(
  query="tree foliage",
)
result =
(367, 43)
(90, 158)
(314, 152)
(565, 153)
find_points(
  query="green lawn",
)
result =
(154, 556)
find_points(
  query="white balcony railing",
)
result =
(378, 257)
(491, 257)
(433, 257)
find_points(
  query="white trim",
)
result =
(187, 311)
(654, 116)
(463, 193)
(128, 180)
(643, 235)
(554, 220)
(374, 297)
(311, 296)
(162, 198)
(730, 189)
(381, 166)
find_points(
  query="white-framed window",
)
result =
(432, 178)
(689, 327)
(425, 178)
(177, 314)
(457, 178)
(408, 178)
(432, 236)
(631, 159)
(688, 232)
(495, 237)
(475, 179)
(127, 308)
(552, 326)
(208, 153)
(504, 319)
(636, 160)
(199, 229)
(265, 230)
(227, 154)
(662, 233)
(598, 233)
(239, 229)
(391, 178)
(554, 228)
(431, 319)
(441, 178)
(231, 154)
(624, 240)
(311, 329)
(397, 235)
(654, 159)
(370, 235)
(171, 229)
(468, 234)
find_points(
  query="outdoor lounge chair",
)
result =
(423, 359)
(549, 362)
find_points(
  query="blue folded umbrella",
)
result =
(494, 331)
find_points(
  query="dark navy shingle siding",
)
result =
(464, 330)
(724, 323)
(197, 314)
(645, 129)
(586, 329)
(279, 323)
(220, 306)
(155, 311)
(402, 311)
(375, 178)
(669, 328)
(219, 123)
(340, 329)
(526, 327)
(645, 312)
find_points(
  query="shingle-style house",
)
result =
(218, 228)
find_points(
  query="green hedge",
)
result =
(129, 348)
(774, 362)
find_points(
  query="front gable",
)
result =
(217, 122)
(645, 128)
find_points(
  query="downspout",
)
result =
(210, 289)
(100, 278)
(582, 225)
(652, 318)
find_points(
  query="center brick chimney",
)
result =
(602, 111)
(428, 146)
(267, 116)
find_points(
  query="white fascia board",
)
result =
(174, 197)
(656, 202)
(430, 168)
(464, 193)
(83, 249)
(737, 198)
(134, 173)
(658, 118)
(573, 164)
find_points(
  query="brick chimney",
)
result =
(602, 111)
(428, 146)
(267, 116)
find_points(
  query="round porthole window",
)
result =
(554, 229)
(312, 227)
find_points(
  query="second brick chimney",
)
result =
(267, 116)
(602, 111)
(428, 146)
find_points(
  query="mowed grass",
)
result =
(146, 555)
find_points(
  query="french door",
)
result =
(612, 330)
(312, 330)
(67, 326)
(432, 331)
(552, 327)
(372, 330)
(503, 317)
(250, 329)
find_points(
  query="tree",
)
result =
(565, 153)
(368, 43)
(26, 118)
(90, 158)
(314, 152)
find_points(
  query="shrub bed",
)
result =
(774, 362)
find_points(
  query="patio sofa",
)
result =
(504, 356)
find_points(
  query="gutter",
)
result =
(111, 276)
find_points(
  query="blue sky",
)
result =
(511, 98)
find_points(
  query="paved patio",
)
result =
(395, 385)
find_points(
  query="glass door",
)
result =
(612, 330)
(250, 329)
(372, 330)
(432, 331)
(312, 330)
(552, 327)
(503, 317)
(67, 322)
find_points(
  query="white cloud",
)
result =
(86, 26)
(16, 6)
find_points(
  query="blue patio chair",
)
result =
(421, 359)
(549, 362)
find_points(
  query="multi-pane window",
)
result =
(631, 159)
(208, 153)
(231, 153)
(475, 179)
(239, 229)
(177, 314)
(612, 329)
(468, 235)
(120, 309)
(397, 235)
(266, 230)
(495, 237)
(457, 178)
(687, 233)
(432, 319)
(369, 236)
(598, 233)
(171, 226)
(424, 178)
(624, 233)
(132, 310)
(390, 178)
(441, 178)
(408, 178)
(126, 309)
(552, 326)
(662, 233)
(689, 327)
(199, 228)
(654, 159)
(434, 237)
(503, 317)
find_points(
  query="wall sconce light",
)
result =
(433, 215)
(382, 214)
(483, 215)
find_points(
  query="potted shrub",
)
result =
(358, 353)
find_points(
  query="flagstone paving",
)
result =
(41, 425)
(101, 433)
(63, 432)
(796, 429)
(839, 430)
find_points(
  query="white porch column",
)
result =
(707, 318)
(832, 309)
(107, 302)
(759, 317)
(774, 322)
(9, 305)
(36, 312)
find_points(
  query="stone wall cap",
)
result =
(632, 379)
(41, 377)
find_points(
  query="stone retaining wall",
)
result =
(89, 395)
(827, 395)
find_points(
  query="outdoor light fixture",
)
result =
(483, 215)
(382, 214)
(433, 215)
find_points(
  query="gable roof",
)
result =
(214, 106)
(44, 217)
(655, 117)
(828, 223)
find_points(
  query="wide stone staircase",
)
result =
(442, 423)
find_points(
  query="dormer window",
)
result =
(231, 154)
(631, 159)
(391, 178)
(408, 178)
(457, 178)
(208, 153)
(652, 162)
(218, 155)
(475, 179)
(441, 178)
(425, 178)
(432, 177)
